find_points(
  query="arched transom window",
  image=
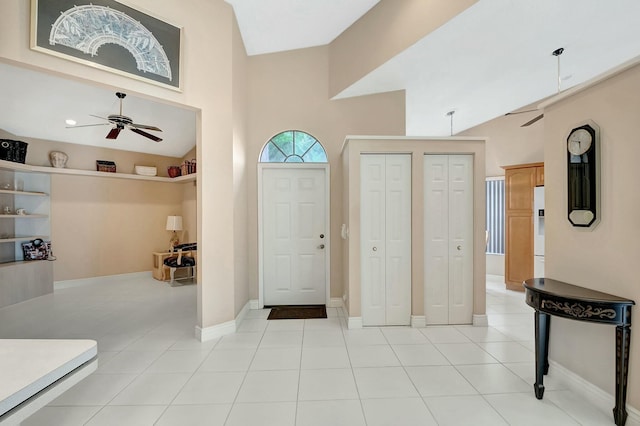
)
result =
(293, 146)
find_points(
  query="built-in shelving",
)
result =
(21, 216)
(38, 194)
(8, 165)
(18, 239)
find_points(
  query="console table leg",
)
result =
(623, 341)
(542, 323)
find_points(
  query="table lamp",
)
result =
(174, 223)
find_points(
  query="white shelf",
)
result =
(18, 239)
(8, 165)
(21, 216)
(38, 194)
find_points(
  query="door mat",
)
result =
(297, 312)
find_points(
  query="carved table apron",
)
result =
(551, 297)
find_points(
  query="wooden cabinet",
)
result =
(519, 183)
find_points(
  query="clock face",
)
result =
(579, 141)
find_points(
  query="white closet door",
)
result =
(372, 247)
(448, 263)
(385, 239)
(436, 238)
(398, 240)
(460, 239)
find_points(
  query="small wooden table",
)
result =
(551, 297)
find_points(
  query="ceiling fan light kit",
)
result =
(121, 122)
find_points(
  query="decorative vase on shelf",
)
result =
(173, 171)
(58, 159)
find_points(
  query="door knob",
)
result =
(375, 249)
(321, 246)
(459, 248)
(321, 235)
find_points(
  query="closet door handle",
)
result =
(375, 249)
(459, 248)
(321, 246)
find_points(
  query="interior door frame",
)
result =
(327, 220)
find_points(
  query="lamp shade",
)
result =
(174, 223)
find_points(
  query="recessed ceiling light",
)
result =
(70, 122)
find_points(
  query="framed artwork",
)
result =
(109, 35)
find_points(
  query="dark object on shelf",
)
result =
(36, 249)
(105, 166)
(11, 150)
(297, 312)
(173, 171)
(550, 297)
(188, 167)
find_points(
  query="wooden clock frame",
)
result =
(583, 180)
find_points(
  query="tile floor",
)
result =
(290, 372)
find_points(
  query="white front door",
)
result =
(448, 226)
(294, 236)
(385, 211)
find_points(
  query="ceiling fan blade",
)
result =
(533, 120)
(87, 125)
(145, 126)
(145, 134)
(114, 133)
(97, 116)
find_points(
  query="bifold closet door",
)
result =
(385, 213)
(448, 253)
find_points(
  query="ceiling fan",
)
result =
(121, 122)
(557, 54)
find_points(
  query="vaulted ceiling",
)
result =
(491, 59)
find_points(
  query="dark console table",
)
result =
(551, 297)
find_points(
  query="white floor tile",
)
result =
(228, 360)
(195, 415)
(129, 362)
(444, 335)
(252, 325)
(483, 334)
(286, 325)
(419, 355)
(404, 336)
(151, 389)
(281, 339)
(269, 386)
(508, 351)
(334, 413)
(317, 385)
(177, 362)
(96, 389)
(258, 313)
(384, 382)
(364, 336)
(372, 356)
(523, 409)
(323, 324)
(141, 415)
(276, 359)
(583, 411)
(464, 410)
(263, 414)
(151, 343)
(210, 388)
(190, 343)
(397, 411)
(465, 353)
(67, 416)
(439, 381)
(239, 341)
(325, 357)
(527, 372)
(493, 378)
(323, 338)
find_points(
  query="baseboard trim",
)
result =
(418, 321)
(219, 330)
(480, 320)
(215, 331)
(57, 285)
(603, 400)
(335, 302)
(254, 304)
